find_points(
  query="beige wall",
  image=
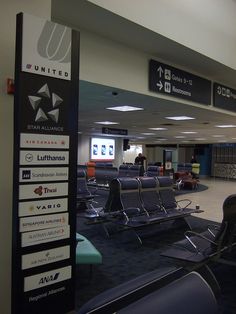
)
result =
(206, 26)
(8, 12)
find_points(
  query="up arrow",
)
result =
(160, 85)
(160, 71)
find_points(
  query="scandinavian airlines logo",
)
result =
(41, 99)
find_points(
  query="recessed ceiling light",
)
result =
(158, 129)
(180, 118)
(125, 108)
(189, 132)
(106, 122)
(226, 126)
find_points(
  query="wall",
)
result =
(206, 26)
(8, 12)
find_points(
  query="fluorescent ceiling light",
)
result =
(200, 139)
(180, 136)
(125, 108)
(217, 135)
(226, 126)
(180, 118)
(106, 122)
(189, 132)
(157, 129)
(162, 139)
(148, 133)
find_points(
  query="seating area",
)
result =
(126, 205)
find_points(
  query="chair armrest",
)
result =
(184, 200)
(187, 235)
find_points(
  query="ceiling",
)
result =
(95, 98)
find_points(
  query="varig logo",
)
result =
(50, 278)
(45, 99)
(55, 42)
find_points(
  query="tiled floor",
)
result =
(211, 200)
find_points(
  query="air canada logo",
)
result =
(44, 100)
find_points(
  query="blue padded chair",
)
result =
(150, 196)
(153, 171)
(123, 170)
(189, 294)
(211, 244)
(135, 171)
(169, 292)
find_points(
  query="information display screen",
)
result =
(102, 149)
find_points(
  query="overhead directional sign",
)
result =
(168, 80)
(114, 131)
(224, 97)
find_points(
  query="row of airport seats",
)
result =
(139, 202)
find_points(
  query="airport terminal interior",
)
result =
(150, 167)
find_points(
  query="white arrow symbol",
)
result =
(160, 85)
(160, 71)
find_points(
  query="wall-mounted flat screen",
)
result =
(102, 149)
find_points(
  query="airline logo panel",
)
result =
(29, 140)
(45, 257)
(48, 278)
(32, 208)
(44, 174)
(42, 190)
(29, 157)
(43, 222)
(44, 236)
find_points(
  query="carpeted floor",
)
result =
(124, 258)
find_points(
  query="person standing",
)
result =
(139, 160)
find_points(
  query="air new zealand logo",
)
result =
(38, 102)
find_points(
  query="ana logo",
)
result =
(45, 99)
(55, 42)
(26, 174)
(49, 278)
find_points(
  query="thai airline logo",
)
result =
(44, 98)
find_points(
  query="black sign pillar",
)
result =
(45, 162)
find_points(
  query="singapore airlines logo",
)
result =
(55, 42)
(41, 100)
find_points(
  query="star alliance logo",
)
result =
(37, 102)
